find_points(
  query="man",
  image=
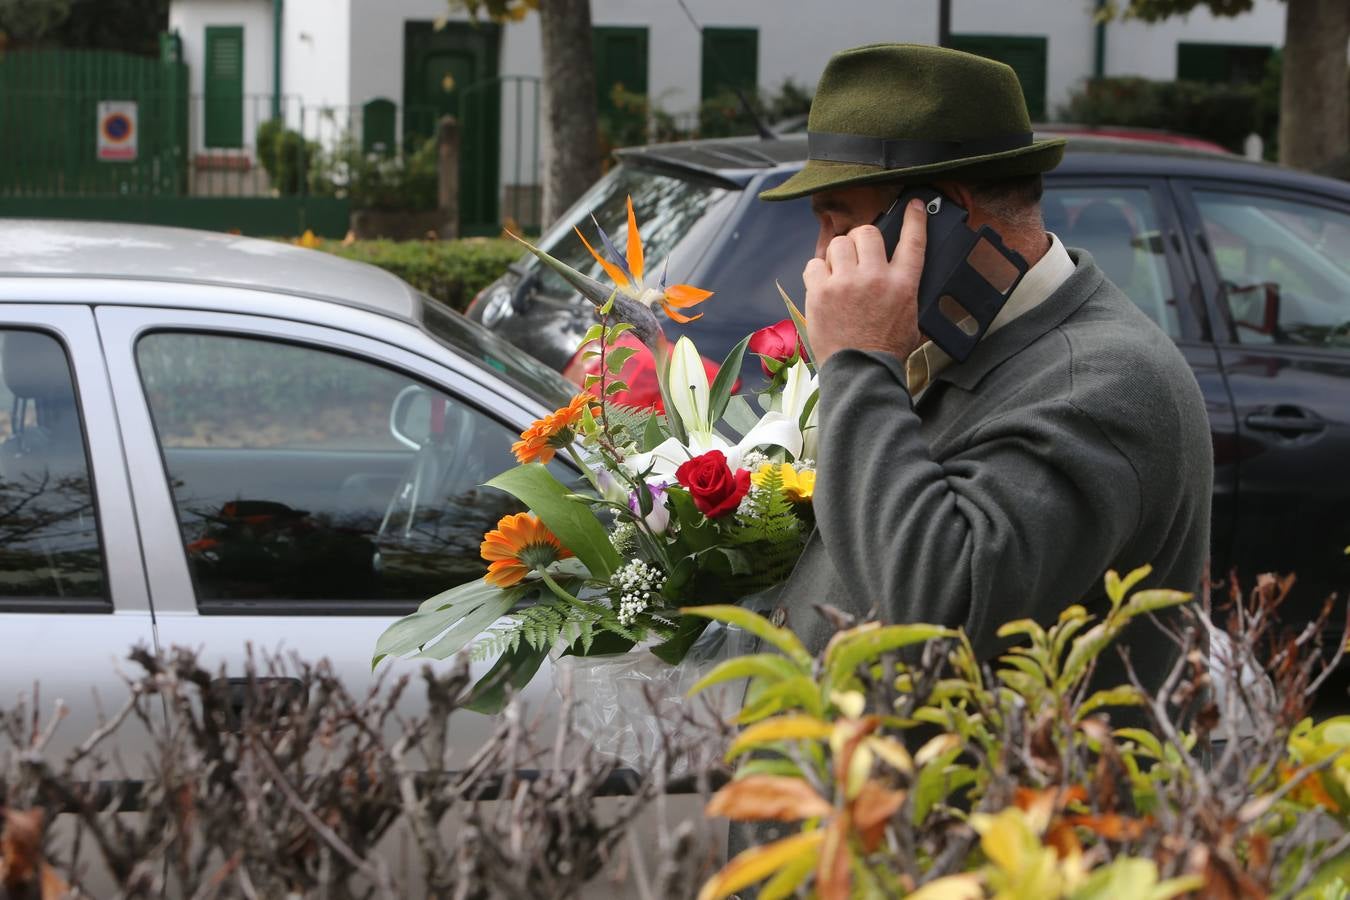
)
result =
(1072, 440)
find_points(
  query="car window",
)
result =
(49, 541)
(675, 215)
(1119, 227)
(300, 474)
(1285, 268)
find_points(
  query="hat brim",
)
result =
(822, 175)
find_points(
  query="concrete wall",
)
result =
(190, 19)
(317, 58)
(1137, 48)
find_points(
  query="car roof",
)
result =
(737, 161)
(38, 247)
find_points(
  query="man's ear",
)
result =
(961, 193)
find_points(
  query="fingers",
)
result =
(815, 274)
(841, 253)
(871, 249)
(913, 240)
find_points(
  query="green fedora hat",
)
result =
(913, 112)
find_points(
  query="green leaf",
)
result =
(1124, 695)
(784, 884)
(435, 615)
(740, 415)
(757, 625)
(471, 626)
(1086, 648)
(843, 656)
(652, 435)
(720, 392)
(1153, 600)
(617, 356)
(512, 670)
(574, 523)
(1147, 740)
(1028, 627)
(605, 643)
(797, 319)
(1117, 587)
(800, 692)
(767, 766)
(592, 334)
(687, 630)
(769, 666)
(615, 387)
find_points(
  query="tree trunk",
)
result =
(1314, 91)
(571, 138)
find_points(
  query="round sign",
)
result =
(117, 127)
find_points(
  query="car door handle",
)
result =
(1288, 420)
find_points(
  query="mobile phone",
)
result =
(967, 277)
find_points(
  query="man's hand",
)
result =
(856, 298)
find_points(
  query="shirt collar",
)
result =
(1041, 280)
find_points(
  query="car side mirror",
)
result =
(1255, 307)
(410, 417)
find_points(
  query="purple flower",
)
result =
(659, 518)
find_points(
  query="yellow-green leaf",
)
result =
(759, 863)
(1117, 587)
(791, 876)
(769, 666)
(779, 728)
(757, 625)
(843, 657)
(968, 886)
(1125, 695)
(1153, 600)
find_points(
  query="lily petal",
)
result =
(611, 270)
(686, 295)
(773, 430)
(634, 244)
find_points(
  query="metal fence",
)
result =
(64, 140)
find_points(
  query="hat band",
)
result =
(899, 153)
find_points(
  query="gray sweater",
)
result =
(1072, 441)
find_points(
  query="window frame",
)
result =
(169, 572)
(124, 576)
(1225, 330)
(1192, 317)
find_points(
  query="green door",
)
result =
(453, 72)
(224, 84)
(1026, 56)
(1222, 63)
(621, 63)
(730, 60)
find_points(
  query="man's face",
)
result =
(842, 209)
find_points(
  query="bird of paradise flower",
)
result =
(633, 299)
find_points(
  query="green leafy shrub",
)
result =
(285, 155)
(450, 271)
(1222, 113)
(916, 771)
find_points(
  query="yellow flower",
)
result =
(797, 486)
(308, 240)
(554, 431)
(517, 546)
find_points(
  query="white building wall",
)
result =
(1150, 51)
(317, 57)
(190, 19)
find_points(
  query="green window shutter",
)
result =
(224, 80)
(620, 59)
(1222, 63)
(1026, 56)
(730, 60)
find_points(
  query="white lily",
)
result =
(690, 395)
(800, 387)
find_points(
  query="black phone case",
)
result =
(947, 272)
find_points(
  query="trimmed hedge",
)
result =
(450, 271)
(1224, 113)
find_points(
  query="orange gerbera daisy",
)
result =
(554, 431)
(519, 545)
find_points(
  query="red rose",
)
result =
(778, 341)
(715, 488)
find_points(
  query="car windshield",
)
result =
(670, 210)
(485, 348)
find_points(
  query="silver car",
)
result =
(212, 441)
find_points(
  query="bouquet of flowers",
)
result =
(703, 500)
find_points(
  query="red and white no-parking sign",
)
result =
(117, 130)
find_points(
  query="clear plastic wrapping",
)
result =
(621, 702)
